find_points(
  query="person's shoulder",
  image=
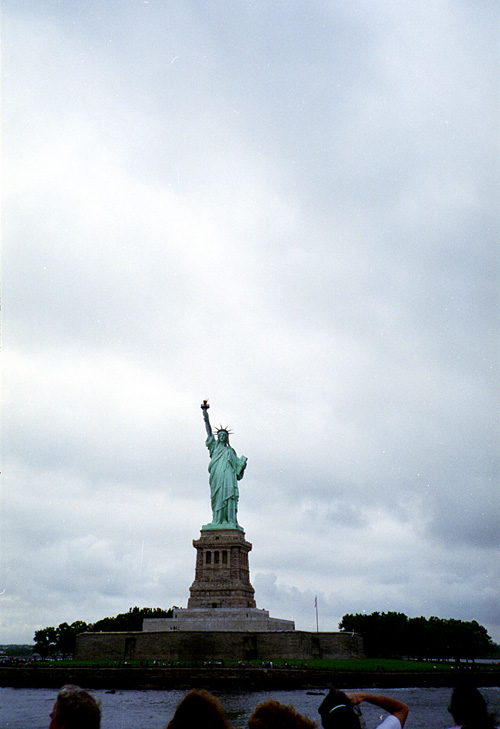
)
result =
(390, 722)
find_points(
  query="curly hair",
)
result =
(199, 708)
(75, 708)
(273, 715)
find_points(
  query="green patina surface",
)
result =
(225, 470)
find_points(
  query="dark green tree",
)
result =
(46, 642)
(66, 637)
(51, 642)
(394, 635)
(416, 641)
(383, 633)
(130, 621)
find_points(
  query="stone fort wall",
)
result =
(215, 645)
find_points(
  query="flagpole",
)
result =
(316, 606)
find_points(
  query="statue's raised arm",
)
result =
(204, 407)
(225, 469)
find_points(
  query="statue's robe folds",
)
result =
(225, 469)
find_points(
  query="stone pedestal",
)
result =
(213, 620)
(222, 598)
(222, 576)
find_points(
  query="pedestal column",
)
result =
(222, 576)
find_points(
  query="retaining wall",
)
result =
(215, 645)
(234, 679)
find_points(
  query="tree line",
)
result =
(61, 641)
(394, 635)
(385, 635)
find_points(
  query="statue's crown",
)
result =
(225, 430)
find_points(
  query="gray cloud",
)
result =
(292, 212)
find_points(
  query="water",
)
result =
(30, 708)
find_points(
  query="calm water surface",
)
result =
(30, 708)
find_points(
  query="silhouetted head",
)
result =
(337, 712)
(273, 715)
(469, 708)
(198, 708)
(75, 708)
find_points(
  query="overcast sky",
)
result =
(289, 208)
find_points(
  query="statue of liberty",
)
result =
(225, 469)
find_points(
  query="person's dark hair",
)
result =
(198, 708)
(337, 712)
(273, 715)
(469, 708)
(75, 708)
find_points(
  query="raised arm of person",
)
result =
(392, 706)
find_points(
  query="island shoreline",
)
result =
(236, 679)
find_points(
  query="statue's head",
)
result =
(223, 435)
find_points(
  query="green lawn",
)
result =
(364, 664)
